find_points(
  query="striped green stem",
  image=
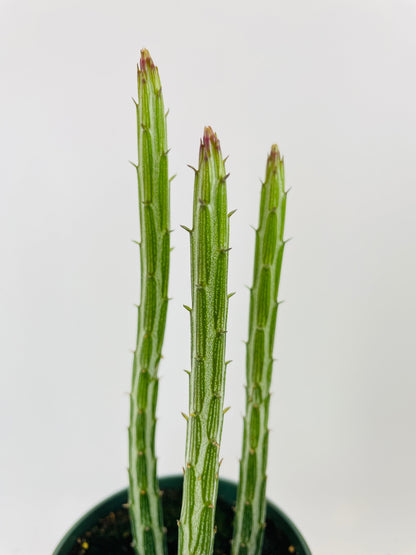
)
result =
(251, 498)
(209, 271)
(153, 184)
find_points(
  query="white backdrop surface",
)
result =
(333, 83)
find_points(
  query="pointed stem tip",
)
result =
(274, 154)
(146, 61)
(209, 138)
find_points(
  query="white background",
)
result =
(333, 83)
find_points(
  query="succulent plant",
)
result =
(251, 499)
(154, 209)
(209, 270)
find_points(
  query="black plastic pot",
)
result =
(281, 535)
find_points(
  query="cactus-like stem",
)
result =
(251, 498)
(209, 271)
(153, 184)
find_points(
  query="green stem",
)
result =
(209, 271)
(251, 498)
(153, 184)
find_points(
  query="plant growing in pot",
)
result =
(194, 515)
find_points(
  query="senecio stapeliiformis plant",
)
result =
(249, 520)
(209, 275)
(154, 209)
(209, 270)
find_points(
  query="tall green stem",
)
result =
(153, 184)
(251, 498)
(209, 271)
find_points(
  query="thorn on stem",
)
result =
(192, 168)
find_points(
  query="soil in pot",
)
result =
(111, 535)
